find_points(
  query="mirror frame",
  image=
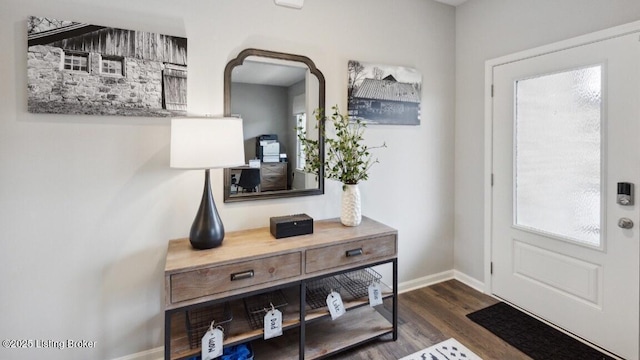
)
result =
(239, 60)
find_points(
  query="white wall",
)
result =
(88, 203)
(486, 29)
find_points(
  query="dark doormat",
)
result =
(531, 336)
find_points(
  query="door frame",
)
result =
(625, 29)
(490, 65)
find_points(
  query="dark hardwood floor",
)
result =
(433, 314)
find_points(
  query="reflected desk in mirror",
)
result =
(246, 180)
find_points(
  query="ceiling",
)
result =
(452, 2)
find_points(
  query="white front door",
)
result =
(566, 131)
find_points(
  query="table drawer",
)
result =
(348, 253)
(274, 169)
(214, 280)
(273, 176)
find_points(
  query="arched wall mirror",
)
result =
(275, 94)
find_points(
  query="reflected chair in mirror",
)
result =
(234, 184)
(249, 180)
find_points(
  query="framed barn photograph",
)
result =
(77, 68)
(384, 94)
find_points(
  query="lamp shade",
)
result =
(206, 143)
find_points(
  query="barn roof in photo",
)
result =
(388, 90)
(114, 42)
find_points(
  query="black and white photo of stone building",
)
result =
(76, 68)
(383, 94)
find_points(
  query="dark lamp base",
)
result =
(207, 231)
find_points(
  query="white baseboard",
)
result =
(425, 281)
(469, 281)
(158, 353)
(151, 354)
(440, 277)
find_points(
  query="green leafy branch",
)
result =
(347, 159)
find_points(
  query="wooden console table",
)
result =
(252, 263)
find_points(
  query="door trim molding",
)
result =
(621, 30)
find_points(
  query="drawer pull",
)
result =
(354, 252)
(242, 275)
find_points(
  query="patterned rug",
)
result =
(449, 349)
(531, 336)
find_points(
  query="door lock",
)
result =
(625, 223)
(625, 194)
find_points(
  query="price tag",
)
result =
(272, 324)
(212, 343)
(335, 305)
(375, 294)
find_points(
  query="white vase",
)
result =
(351, 214)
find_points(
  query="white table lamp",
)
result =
(206, 143)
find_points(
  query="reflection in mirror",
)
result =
(275, 94)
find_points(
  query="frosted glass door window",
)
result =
(558, 143)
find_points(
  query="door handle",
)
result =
(625, 223)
